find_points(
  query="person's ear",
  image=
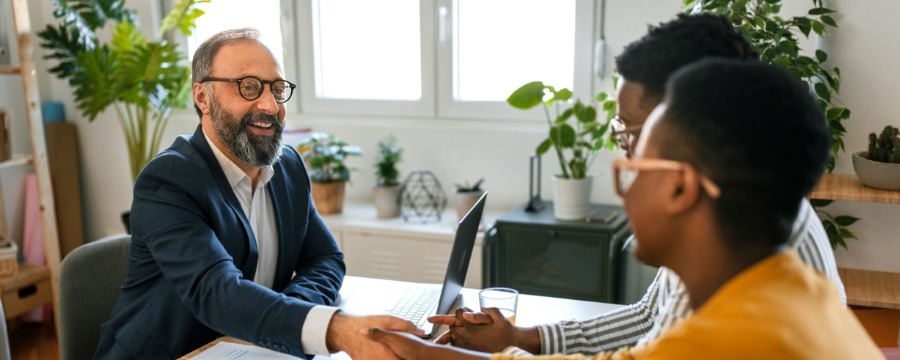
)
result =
(685, 190)
(201, 97)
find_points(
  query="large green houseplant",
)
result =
(777, 38)
(141, 79)
(575, 135)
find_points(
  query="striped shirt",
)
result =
(666, 300)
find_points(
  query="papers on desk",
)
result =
(232, 351)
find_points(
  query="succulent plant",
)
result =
(885, 147)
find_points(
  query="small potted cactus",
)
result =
(879, 167)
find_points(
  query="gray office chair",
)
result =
(4, 336)
(89, 283)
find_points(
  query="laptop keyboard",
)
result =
(416, 304)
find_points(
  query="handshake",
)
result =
(470, 333)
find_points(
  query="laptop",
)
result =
(417, 303)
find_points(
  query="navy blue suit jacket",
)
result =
(194, 255)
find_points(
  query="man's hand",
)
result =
(485, 331)
(406, 346)
(344, 333)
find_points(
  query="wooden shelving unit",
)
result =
(847, 187)
(864, 287)
(33, 285)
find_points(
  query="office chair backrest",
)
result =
(4, 337)
(89, 283)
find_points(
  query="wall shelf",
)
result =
(847, 187)
(871, 288)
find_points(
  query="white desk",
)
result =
(358, 294)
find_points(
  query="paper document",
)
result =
(225, 350)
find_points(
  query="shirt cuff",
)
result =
(516, 352)
(315, 329)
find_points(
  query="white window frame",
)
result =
(312, 104)
(449, 107)
(437, 71)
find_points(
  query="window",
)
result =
(264, 15)
(439, 58)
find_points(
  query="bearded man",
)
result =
(225, 237)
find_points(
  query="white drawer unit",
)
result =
(398, 250)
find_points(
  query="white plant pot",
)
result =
(571, 198)
(387, 201)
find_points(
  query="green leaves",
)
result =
(324, 154)
(575, 143)
(181, 17)
(527, 96)
(141, 79)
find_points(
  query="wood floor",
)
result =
(29, 341)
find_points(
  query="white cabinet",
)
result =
(398, 250)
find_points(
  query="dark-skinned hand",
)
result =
(486, 331)
(406, 346)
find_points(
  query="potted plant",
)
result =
(324, 155)
(387, 183)
(575, 136)
(141, 79)
(879, 167)
(466, 196)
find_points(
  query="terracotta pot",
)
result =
(328, 196)
(464, 202)
(387, 201)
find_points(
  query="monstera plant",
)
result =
(141, 79)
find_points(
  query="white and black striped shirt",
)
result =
(666, 301)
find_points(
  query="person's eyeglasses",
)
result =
(622, 133)
(626, 170)
(251, 87)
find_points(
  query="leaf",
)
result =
(835, 113)
(817, 203)
(828, 21)
(821, 56)
(846, 234)
(820, 11)
(562, 95)
(818, 27)
(543, 147)
(845, 220)
(563, 135)
(822, 91)
(527, 96)
(587, 115)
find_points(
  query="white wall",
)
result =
(456, 150)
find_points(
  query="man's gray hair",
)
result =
(203, 57)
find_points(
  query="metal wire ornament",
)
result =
(423, 199)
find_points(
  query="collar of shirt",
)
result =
(233, 173)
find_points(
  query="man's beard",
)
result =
(256, 151)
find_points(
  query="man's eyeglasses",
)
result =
(622, 133)
(251, 87)
(626, 170)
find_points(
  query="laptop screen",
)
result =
(458, 265)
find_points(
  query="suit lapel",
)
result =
(202, 146)
(282, 210)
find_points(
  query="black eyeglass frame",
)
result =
(623, 133)
(271, 83)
